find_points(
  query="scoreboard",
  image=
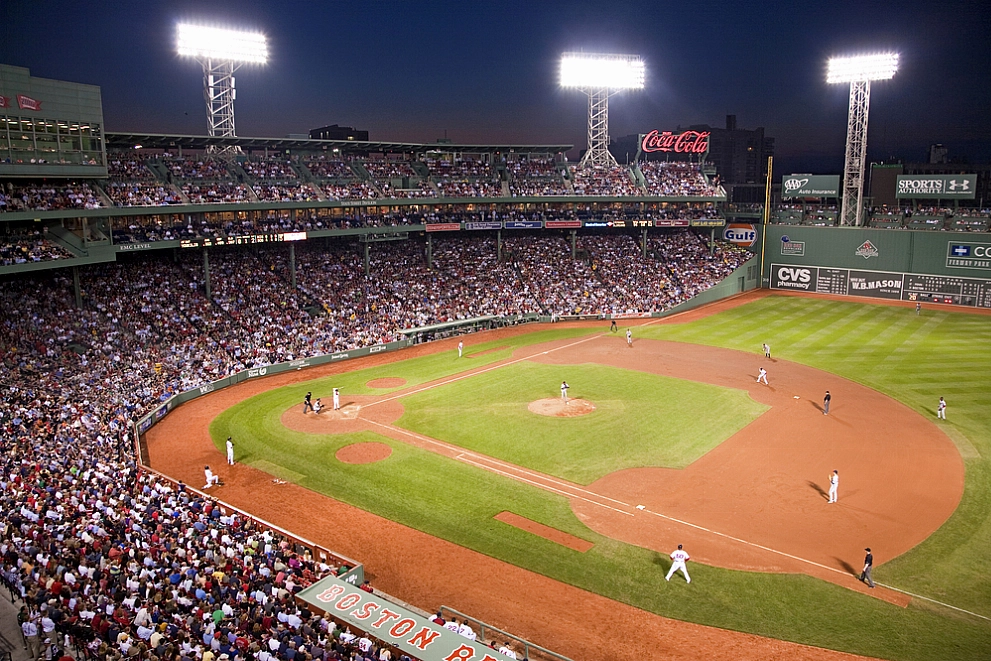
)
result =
(971, 292)
(241, 240)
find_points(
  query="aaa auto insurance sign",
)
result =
(741, 234)
(810, 185)
(936, 186)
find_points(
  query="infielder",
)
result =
(230, 451)
(941, 409)
(678, 560)
(767, 350)
(337, 399)
(825, 403)
(461, 349)
(564, 391)
(762, 376)
(834, 485)
(629, 337)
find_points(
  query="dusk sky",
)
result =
(487, 72)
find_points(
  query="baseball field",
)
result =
(468, 481)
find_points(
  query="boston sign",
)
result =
(687, 142)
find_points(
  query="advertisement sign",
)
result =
(524, 224)
(392, 624)
(795, 278)
(875, 284)
(741, 234)
(605, 223)
(686, 142)
(968, 255)
(867, 250)
(443, 227)
(672, 222)
(936, 186)
(562, 224)
(789, 247)
(707, 222)
(484, 225)
(810, 185)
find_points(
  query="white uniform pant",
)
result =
(230, 456)
(832, 492)
(675, 566)
(762, 377)
(941, 413)
(337, 402)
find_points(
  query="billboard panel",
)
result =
(810, 185)
(936, 186)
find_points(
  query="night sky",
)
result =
(487, 72)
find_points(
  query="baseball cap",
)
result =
(868, 549)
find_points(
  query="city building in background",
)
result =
(335, 132)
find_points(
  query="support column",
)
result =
(292, 264)
(206, 274)
(430, 251)
(77, 294)
(368, 268)
(643, 243)
(574, 236)
(499, 245)
(712, 241)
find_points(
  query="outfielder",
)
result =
(629, 337)
(461, 349)
(762, 376)
(834, 485)
(230, 451)
(678, 560)
(337, 399)
(767, 350)
(941, 409)
(564, 391)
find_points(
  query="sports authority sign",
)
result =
(686, 142)
(968, 255)
(810, 185)
(936, 186)
(392, 624)
(741, 234)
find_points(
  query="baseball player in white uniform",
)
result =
(337, 399)
(461, 349)
(564, 391)
(678, 560)
(767, 350)
(629, 337)
(941, 409)
(762, 376)
(230, 451)
(211, 479)
(834, 485)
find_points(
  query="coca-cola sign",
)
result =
(686, 142)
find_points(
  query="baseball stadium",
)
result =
(293, 399)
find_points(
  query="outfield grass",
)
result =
(640, 419)
(914, 359)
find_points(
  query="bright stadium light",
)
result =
(858, 71)
(220, 52)
(600, 76)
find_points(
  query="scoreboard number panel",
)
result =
(921, 287)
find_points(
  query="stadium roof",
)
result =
(162, 141)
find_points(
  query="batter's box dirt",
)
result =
(560, 408)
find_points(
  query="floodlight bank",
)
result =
(602, 71)
(881, 66)
(219, 44)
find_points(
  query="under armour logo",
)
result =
(963, 184)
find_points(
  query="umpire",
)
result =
(868, 565)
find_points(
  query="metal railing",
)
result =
(531, 651)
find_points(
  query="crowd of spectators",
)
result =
(270, 169)
(535, 177)
(49, 196)
(203, 168)
(676, 179)
(389, 169)
(328, 168)
(125, 564)
(268, 192)
(27, 246)
(216, 193)
(354, 189)
(141, 194)
(610, 181)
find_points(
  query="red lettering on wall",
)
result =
(365, 611)
(330, 593)
(687, 142)
(463, 653)
(347, 601)
(423, 638)
(385, 617)
(401, 628)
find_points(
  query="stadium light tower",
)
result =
(600, 76)
(859, 71)
(220, 52)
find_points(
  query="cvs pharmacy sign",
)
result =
(793, 277)
(741, 234)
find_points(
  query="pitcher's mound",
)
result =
(560, 409)
(387, 382)
(363, 453)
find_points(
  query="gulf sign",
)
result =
(741, 234)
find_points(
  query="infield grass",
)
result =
(913, 359)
